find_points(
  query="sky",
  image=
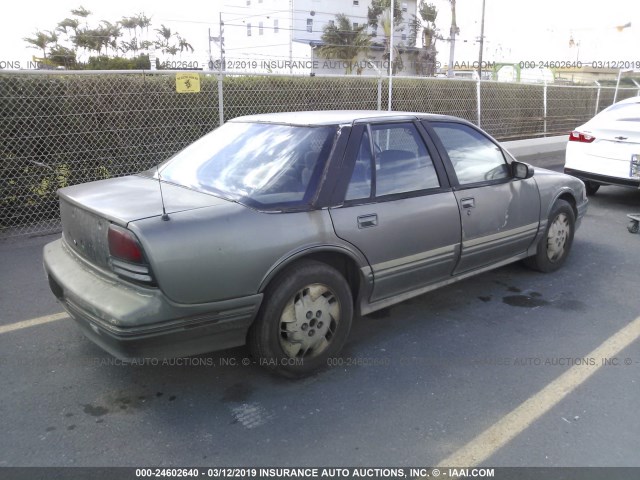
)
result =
(514, 31)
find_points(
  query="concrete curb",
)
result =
(536, 146)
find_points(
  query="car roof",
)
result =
(335, 117)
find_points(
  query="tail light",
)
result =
(127, 258)
(577, 136)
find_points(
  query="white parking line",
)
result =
(515, 422)
(33, 322)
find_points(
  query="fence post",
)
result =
(379, 93)
(220, 100)
(615, 95)
(544, 113)
(597, 97)
(479, 102)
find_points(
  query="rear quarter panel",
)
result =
(227, 251)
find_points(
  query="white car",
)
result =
(606, 149)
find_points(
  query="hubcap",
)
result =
(309, 321)
(557, 237)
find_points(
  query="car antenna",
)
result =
(165, 216)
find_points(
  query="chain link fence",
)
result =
(64, 128)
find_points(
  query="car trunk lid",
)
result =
(619, 141)
(87, 210)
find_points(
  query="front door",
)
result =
(500, 214)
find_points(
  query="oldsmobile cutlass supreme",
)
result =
(275, 230)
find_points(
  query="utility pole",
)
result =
(291, 27)
(481, 44)
(221, 32)
(393, 24)
(219, 40)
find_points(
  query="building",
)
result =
(284, 36)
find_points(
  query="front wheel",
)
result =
(304, 321)
(554, 247)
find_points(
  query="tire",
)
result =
(633, 226)
(555, 246)
(591, 187)
(304, 321)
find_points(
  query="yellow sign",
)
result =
(187, 83)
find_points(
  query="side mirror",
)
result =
(521, 170)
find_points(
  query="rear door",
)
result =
(500, 214)
(398, 208)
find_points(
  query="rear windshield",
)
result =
(257, 163)
(621, 112)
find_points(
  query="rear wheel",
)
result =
(554, 247)
(304, 321)
(591, 187)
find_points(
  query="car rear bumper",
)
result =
(603, 179)
(136, 322)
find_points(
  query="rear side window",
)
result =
(392, 160)
(474, 157)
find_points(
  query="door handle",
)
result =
(468, 202)
(366, 221)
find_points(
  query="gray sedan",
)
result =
(275, 230)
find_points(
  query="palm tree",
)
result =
(379, 15)
(130, 24)
(164, 35)
(144, 23)
(109, 34)
(82, 13)
(453, 31)
(344, 41)
(41, 40)
(425, 28)
(388, 29)
(183, 44)
(66, 25)
(88, 40)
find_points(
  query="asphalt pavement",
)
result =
(415, 384)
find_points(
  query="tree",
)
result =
(82, 13)
(344, 41)
(164, 35)
(376, 8)
(183, 44)
(388, 29)
(63, 57)
(144, 22)
(131, 25)
(424, 27)
(101, 45)
(379, 15)
(66, 26)
(41, 40)
(453, 31)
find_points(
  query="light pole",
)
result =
(393, 6)
(481, 44)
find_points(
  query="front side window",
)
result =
(393, 159)
(474, 157)
(256, 163)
